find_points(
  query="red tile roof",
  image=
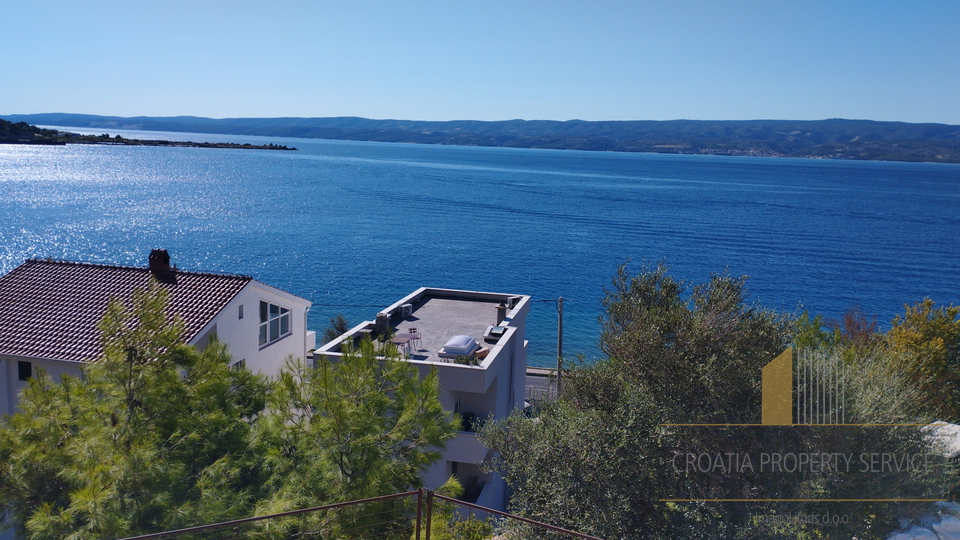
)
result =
(51, 309)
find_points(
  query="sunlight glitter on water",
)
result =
(366, 223)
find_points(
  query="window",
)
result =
(241, 311)
(274, 322)
(24, 370)
(239, 365)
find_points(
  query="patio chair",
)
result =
(416, 337)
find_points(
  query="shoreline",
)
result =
(835, 139)
(82, 139)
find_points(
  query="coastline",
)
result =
(24, 133)
(61, 141)
(854, 140)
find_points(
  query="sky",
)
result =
(485, 60)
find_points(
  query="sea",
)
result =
(354, 226)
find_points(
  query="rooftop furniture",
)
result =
(402, 341)
(416, 336)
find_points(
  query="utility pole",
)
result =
(559, 341)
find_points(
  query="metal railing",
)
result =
(398, 516)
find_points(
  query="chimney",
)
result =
(159, 260)
(501, 313)
(382, 324)
(160, 266)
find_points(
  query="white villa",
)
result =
(49, 312)
(476, 342)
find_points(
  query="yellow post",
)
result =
(777, 391)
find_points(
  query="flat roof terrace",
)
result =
(438, 315)
(439, 319)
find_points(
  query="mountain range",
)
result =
(833, 138)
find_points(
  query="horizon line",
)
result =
(397, 119)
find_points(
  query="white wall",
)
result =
(242, 335)
(517, 318)
(11, 386)
(497, 386)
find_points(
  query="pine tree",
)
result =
(130, 447)
(363, 426)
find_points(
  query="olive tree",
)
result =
(682, 377)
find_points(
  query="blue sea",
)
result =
(354, 226)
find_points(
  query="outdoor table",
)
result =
(402, 340)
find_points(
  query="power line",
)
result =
(553, 300)
(347, 305)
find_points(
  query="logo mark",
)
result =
(777, 391)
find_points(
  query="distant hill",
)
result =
(835, 138)
(24, 133)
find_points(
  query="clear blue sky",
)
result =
(485, 60)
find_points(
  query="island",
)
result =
(24, 133)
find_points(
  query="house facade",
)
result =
(486, 380)
(49, 312)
